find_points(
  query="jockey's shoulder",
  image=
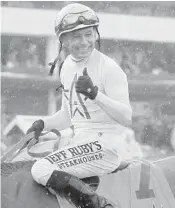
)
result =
(109, 64)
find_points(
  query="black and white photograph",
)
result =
(87, 104)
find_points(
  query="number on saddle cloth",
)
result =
(141, 184)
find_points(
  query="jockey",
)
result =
(95, 100)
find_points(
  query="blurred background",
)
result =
(139, 36)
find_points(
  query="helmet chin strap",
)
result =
(53, 64)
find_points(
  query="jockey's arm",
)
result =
(115, 100)
(60, 120)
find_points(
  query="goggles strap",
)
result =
(53, 64)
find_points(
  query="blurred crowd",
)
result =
(143, 57)
(134, 57)
(133, 8)
(155, 132)
(22, 51)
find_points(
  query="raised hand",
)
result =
(85, 86)
(85, 73)
(36, 127)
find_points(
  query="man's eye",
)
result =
(88, 35)
(76, 36)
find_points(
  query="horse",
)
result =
(140, 184)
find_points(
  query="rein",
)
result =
(34, 141)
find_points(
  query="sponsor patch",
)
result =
(76, 155)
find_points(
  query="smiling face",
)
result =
(80, 43)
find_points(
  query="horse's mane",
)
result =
(9, 168)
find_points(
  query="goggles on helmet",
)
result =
(72, 20)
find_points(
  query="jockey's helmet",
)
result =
(73, 17)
